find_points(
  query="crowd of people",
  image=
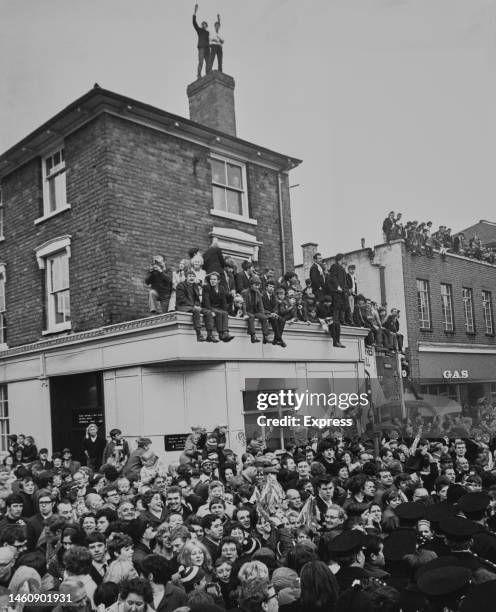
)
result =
(327, 526)
(421, 240)
(210, 285)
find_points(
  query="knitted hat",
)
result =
(190, 576)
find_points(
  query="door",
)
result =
(75, 401)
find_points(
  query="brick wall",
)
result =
(459, 273)
(133, 192)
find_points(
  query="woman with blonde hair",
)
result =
(253, 570)
(195, 554)
(178, 276)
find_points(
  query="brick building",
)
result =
(86, 200)
(446, 314)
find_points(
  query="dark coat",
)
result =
(269, 302)
(213, 260)
(242, 281)
(214, 299)
(187, 296)
(336, 277)
(253, 301)
(161, 281)
(317, 279)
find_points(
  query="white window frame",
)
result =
(468, 309)
(244, 193)
(58, 170)
(423, 303)
(3, 307)
(235, 243)
(447, 307)
(4, 419)
(487, 309)
(44, 256)
(2, 237)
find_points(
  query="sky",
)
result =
(389, 103)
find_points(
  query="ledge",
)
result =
(50, 215)
(170, 337)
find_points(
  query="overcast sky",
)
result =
(390, 103)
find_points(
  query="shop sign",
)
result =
(453, 374)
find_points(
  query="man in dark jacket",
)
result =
(159, 280)
(213, 259)
(188, 300)
(317, 275)
(203, 44)
(215, 300)
(336, 285)
(255, 310)
(243, 277)
(271, 308)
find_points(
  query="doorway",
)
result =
(75, 402)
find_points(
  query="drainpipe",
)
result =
(281, 221)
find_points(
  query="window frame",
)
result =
(487, 309)
(4, 418)
(427, 293)
(245, 215)
(468, 300)
(3, 306)
(2, 215)
(447, 303)
(45, 255)
(47, 177)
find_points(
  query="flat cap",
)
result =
(458, 528)
(444, 581)
(474, 503)
(400, 543)
(410, 511)
(438, 512)
(348, 542)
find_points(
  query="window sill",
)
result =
(61, 327)
(2, 238)
(489, 335)
(52, 214)
(226, 215)
(471, 333)
(4, 346)
(449, 332)
(426, 329)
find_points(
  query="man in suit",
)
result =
(336, 286)
(387, 226)
(352, 286)
(243, 277)
(99, 557)
(317, 275)
(213, 258)
(188, 300)
(271, 308)
(255, 310)
(215, 300)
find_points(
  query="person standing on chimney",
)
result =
(203, 44)
(216, 43)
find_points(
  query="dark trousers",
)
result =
(339, 306)
(263, 322)
(207, 317)
(203, 56)
(215, 50)
(221, 320)
(277, 324)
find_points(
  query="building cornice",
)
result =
(456, 347)
(98, 101)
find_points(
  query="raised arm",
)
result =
(195, 23)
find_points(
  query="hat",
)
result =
(474, 505)
(445, 561)
(458, 529)
(400, 543)
(264, 552)
(206, 461)
(271, 470)
(410, 511)
(438, 512)
(67, 450)
(348, 543)
(284, 577)
(444, 581)
(481, 598)
(250, 545)
(190, 576)
(455, 491)
(255, 279)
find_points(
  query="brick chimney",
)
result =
(211, 102)
(309, 249)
